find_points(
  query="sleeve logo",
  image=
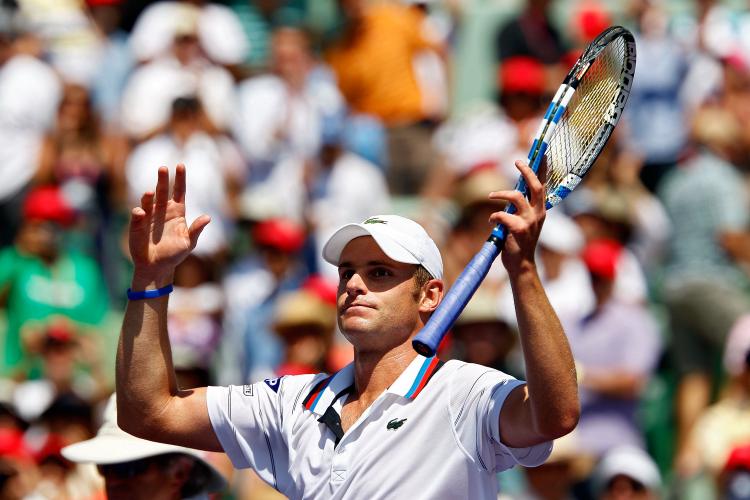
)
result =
(273, 383)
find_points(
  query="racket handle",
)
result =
(427, 340)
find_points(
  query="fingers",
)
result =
(178, 191)
(196, 228)
(147, 202)
(162, 187)
(512, 196)
(513, 223)
(535, 186)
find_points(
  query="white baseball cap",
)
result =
(401, 239)
(112, 445)
(627, 461)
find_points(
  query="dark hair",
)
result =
(422, 276)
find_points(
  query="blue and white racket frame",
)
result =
(428, 339)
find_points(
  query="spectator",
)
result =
(87, 164)
(305, 323)
(564, 275)
(39, 278)
(531, 34)
(19, 474)
(342, 187)
(66, 359)
(136, 468)
(726, 423)
(114, 62)
(217, 28)
(195, 317)
(250, 351)
(215, 164)
(607, 214)
(373, 61)
(483, 335)
(29, 95)
(703, 289)
(259, 19)
(616, 349)
(626, 473)
(280, 116)
(182, 71)
(656, 113)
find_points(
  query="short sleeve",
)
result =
(247, 421)
(477, 397)
(505, 456)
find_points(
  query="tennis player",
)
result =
(392, 424)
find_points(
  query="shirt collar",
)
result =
(408, 385)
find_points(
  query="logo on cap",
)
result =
(375, 220)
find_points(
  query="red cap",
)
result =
(60, 332)
(13, 445)
(48, 204)
(592, 19)
(281, 234)
(739, 458)
(322, 288)
(522, 74)
(601, 258)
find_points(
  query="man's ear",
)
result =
(430, 295)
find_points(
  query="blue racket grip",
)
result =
(428, 339)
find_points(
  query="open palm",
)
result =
(159, 237)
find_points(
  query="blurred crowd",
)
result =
(294, 117)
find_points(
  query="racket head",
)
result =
(584, 112)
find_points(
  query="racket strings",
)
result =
(581, 131)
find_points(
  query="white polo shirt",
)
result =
(417, 440)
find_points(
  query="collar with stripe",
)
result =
(408, 385)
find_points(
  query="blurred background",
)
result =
(296, 116)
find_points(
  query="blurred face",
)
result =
(186, 48)
(141, 479)
(290, 55)
(377, 297)
(74, 109)
(485, 343)
(40, 238)
(624, 488)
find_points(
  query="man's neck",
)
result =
(375, 372)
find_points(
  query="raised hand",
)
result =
(525, 225)
(159, 237)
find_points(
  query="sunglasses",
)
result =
(127, 470)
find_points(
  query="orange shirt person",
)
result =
(373, 61)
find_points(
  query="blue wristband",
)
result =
(150, 294)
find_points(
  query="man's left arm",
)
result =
(547, 406)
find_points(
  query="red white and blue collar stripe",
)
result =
(408, 385)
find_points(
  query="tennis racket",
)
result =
(575, 128)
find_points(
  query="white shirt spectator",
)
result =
(351, 191)
(210, 163)
(148, 96)
(219, 31)
(271, 121)
(30, 93)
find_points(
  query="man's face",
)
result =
(378, 303)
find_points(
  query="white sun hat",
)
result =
(112, 445)
(401, 239)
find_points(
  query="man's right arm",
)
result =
(150, 404)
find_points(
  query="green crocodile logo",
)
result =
(375, 220)
(395, 424)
